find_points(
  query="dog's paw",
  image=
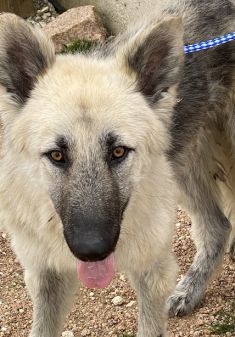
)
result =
(179, 305)
(184, 299)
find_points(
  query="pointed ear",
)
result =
(25, 54)
(154, 55)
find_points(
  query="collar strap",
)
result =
(191, 48)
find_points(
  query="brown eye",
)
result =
(57, 156)
(119, 152)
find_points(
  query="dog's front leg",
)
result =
(52, 294)
(153, 288)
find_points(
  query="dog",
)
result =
(80, 156)
(98, 149)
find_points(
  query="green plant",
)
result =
(227, 319)
(79, 46)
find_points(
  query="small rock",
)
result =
(130, 304)
(76, 23)
(46, 16)
(67, 334)
(122, 278)
(200, 322)
(44, 9)
(117, 300)
(85, 332)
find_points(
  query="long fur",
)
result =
(176, 113)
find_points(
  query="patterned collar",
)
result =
(191, 48)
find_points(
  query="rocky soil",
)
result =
(44, 13)
(113, 311)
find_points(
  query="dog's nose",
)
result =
(92, 250)
(92, 237)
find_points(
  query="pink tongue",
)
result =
(96, 274)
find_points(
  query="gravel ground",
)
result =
(44, 13)
(96, 314)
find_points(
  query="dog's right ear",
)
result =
(25, 54)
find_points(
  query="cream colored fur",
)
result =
(75, 95)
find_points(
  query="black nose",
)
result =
(89, 249)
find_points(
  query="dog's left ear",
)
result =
(154, 56)
(25, 55)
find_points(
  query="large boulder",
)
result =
(116, 14)
(80, 23)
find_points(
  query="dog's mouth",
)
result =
(97, 274)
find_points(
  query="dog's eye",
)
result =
(57, 156)
(119, 153)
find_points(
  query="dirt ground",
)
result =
(95, 315)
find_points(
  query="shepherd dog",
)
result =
(98, 149)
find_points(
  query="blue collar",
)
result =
(191, 48)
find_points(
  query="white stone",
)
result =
(67, 334)
(117, 300)
(45, 9)
(45, 16)
(130, 304)
(122, 277)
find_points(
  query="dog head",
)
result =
(84, 128)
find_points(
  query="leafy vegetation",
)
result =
(79, 46)
(227, 321)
